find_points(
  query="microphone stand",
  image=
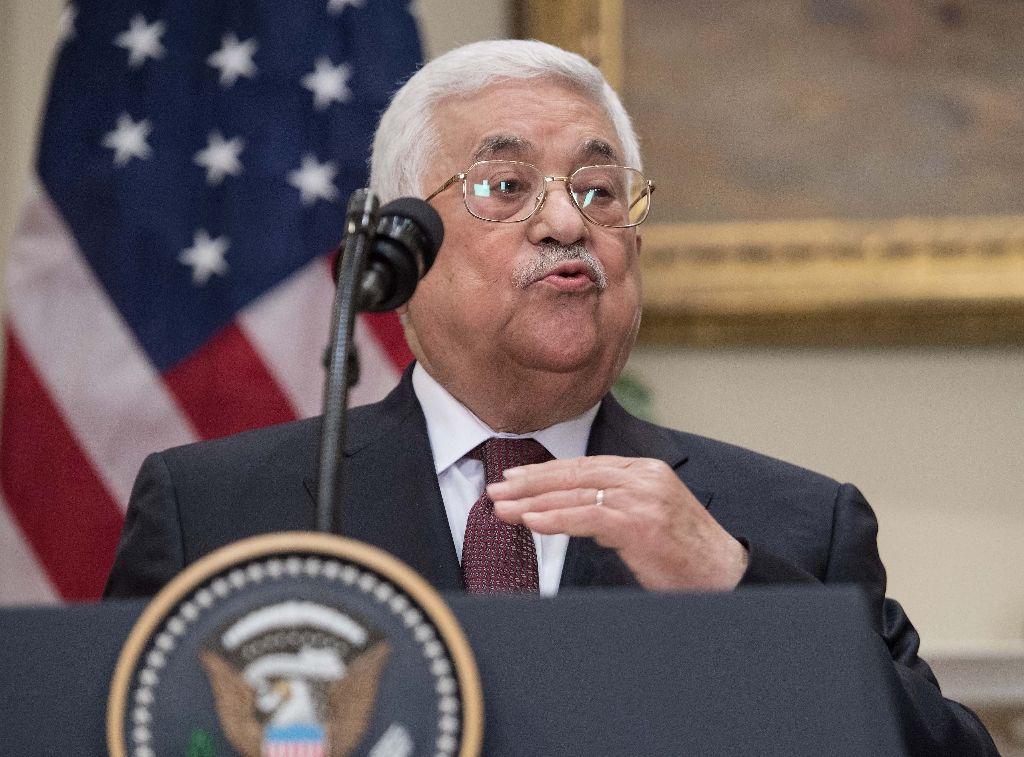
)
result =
(360, 223)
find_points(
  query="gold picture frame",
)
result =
(838, 282)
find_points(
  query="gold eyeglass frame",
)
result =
(540, 198)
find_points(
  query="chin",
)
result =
(566, 342)
(562, 355)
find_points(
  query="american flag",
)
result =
(168, 282)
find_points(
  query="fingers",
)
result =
(575, 483)
(511, 510)
(593, 473)
(601, 524)
(561, 497)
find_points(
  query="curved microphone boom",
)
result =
(384, 254)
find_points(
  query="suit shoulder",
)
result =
(295, 441)
(284, 441)
(702, 456)
(734, 454)
(726, 462)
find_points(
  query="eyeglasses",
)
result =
(508, 191)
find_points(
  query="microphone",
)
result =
(402, 248)
(384, 253)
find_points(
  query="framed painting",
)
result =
(829, 172)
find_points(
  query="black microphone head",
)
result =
(421, 213)
(409, 234)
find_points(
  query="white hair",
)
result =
(407, 137)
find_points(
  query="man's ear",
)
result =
(409, 330)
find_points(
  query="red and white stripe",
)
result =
(83, 405)
(294, 749)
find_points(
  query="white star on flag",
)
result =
(234, 59)
(328, 83)
(66, 24)
(128, 140)
(220, 157)
(141, 40)
(335, 7)
(206, 256)
(314, 180)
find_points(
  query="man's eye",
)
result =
(591, 195)
(489, 187)
(508, 186)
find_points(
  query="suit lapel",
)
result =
(616, 432)
(392, 499)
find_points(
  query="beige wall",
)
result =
(28, 29)
(445, 24)
(933, 437)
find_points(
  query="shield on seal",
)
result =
(295, 679)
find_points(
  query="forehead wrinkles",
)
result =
(525, 120)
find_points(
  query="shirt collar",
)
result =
(454, 430)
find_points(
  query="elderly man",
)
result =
(519, 331)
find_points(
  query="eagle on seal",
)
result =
(295, 677)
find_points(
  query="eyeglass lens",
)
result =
(502, 190)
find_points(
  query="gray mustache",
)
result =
(551, 256)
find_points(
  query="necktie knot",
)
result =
(498, 455)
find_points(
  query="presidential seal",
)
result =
(296, 645)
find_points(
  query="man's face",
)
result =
(479, 309)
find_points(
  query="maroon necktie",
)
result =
(498, 556)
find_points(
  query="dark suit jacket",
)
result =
(798, 526)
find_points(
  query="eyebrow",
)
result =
(501, 144)
(599, 148)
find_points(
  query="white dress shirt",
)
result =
(454, 430)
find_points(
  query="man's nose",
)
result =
(558, 218)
